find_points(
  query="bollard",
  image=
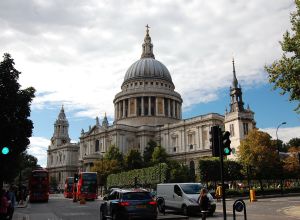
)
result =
(252, 195)
(82, 201)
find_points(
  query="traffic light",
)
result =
(5, 150)
(76, 178)
(215, 132)
(226, 143)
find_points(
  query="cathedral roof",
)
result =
(147, 67)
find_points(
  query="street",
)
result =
(59, 208)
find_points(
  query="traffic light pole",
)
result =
(222, 175)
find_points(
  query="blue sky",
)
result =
(77, 56)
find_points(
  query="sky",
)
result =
(76, 53)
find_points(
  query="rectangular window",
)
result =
(245, 125)
(97, 146)
(231, 128)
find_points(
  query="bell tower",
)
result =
(238, 121)
(61, 130)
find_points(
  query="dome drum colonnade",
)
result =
(147, 92)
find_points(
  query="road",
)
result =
(59, 208)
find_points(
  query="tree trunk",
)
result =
(261, 186)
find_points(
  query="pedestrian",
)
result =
(12, 197)
(3, 205)
(203, 202)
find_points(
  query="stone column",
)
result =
(116, 111)
(169, 108)
(173, 108)
(123, 116)
(149, 105)
(128, 107)
(156, 106)
(142, 106)
(135, 106)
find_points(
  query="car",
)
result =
(183, 197)
(128, 204)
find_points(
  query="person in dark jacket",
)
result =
(203, 202)
(3, 205)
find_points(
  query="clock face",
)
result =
(63, 141)
(52, 141)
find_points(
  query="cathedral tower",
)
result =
(61, 130)
(62, 157)
(238, 121)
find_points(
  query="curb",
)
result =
(265, 196)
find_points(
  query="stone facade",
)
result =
(149, 108)
(238, 121)
(62, 157)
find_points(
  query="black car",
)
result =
(128, 204)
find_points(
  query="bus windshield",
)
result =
(89, 182)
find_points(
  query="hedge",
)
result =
(149, 176)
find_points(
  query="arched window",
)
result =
(97, 146)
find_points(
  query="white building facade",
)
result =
(148, 108)
(62, 155)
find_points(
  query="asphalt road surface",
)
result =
(59, 208)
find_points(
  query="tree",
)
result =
(159, 155)
(294, 142)
(114, 153)
(104, 168)
(148, 152)
(133, 160)
(292, 164)
(259, 152)
(178, 173)
(15, 125)
(285, 73)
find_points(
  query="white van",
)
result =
(181, 196)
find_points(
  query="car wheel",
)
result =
(185, 210)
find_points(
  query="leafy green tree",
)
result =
(15, 125)
(159, 155)
(133, 160)
(114, 153)
(294, 142)
(178, 173)
(104, 168)
(285, 73)
(26, 165)
(258, 151)
(148, 152)
(210, 170)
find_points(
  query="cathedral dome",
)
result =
(146, 68)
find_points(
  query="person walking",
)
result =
(12, 197)
(203, 202)
(3, 205)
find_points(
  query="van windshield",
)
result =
(191, 188)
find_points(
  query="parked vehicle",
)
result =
(127, 204)
(181, 196)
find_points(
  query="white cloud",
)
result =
(38, 147)
(77, 53)
(284, 133)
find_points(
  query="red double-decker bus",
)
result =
(87, 186)
(68, 192)
(39, 186)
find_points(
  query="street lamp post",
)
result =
(277, 144)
